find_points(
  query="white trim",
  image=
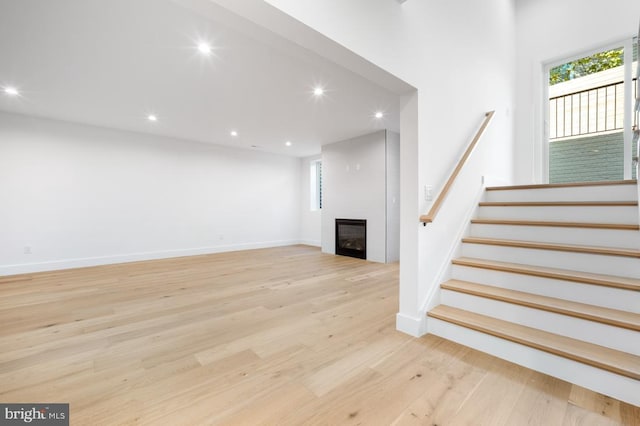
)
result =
(314, 243)
(550, 63)
(628, 108)
(544, 144)
(416, 327)
(55, 265)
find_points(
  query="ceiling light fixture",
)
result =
(233, 133)
(288, 143)
(152, 117)
(204, 48)
(379, 114)
(11, 91)
(318, 91)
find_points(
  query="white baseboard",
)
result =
(416, 327)
(313, 243)
(55, 265)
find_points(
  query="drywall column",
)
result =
(408, 318)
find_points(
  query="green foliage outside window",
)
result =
(591, 64)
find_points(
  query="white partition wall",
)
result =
(76, 195)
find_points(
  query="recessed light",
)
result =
(152, 117)
(204, 48)
(233, 133)
(318, 91)
(379, 114)
(11, 91)
(288, 143)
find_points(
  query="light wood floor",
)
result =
(282, 336)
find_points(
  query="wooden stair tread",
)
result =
(608, 316)
(597, 356)
(563, 185)
(558, 203)
(553, 273)
(617, 226)
(609, 251)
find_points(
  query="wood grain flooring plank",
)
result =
(284, 336)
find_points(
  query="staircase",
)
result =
(549, 278)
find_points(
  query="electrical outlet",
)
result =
(27, 249)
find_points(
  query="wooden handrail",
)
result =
(430, 217)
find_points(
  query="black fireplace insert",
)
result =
(351, 238)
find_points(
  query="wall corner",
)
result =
(416, 327)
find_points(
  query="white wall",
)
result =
(81, 195)
(551, 30)
(354, 182)
(393, 196)
(310, 220)
(460, 55)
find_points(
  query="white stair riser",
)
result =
(578, 236)
(597, 333)
(594, 263)
(607, 297)
(623, 215)
(611, 384)
(594, 193)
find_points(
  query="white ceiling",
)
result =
(111, 63)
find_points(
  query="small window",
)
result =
(315, 179)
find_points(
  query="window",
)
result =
(589, 129)
(315, 179)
